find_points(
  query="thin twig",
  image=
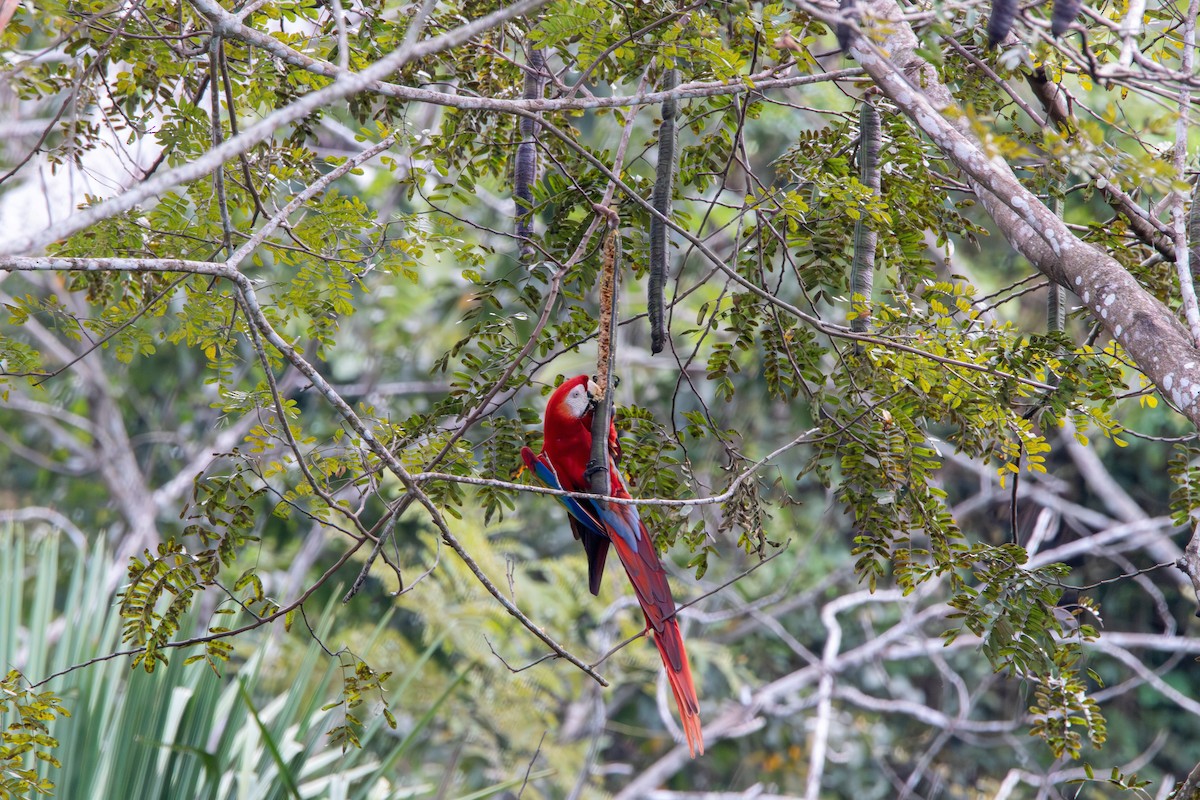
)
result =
(529, 768)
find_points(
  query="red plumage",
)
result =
(566, 453)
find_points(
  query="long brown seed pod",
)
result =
(862, 269)
(843, 29)
(1064, 13)
(525, 169)
(606, 352)
(664, 186)
(1000, 21)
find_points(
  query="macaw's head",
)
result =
(572, 402)
(568, 432)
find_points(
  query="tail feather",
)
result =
(635, 548)
(670, 647)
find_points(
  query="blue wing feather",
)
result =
(585, 522)
(582, 510)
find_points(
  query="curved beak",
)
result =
(593, 391)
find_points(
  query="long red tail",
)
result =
(670, 647)
(635, 548)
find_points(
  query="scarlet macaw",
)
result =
(563, 464)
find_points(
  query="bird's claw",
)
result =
(592, 468)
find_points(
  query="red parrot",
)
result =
(563, 464)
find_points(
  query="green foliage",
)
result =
(1013, 611)
(1185, 475)
(185, 732)
(26, 735)
(1119, 779)
(358, 679)
(163, 584)
(403, 271)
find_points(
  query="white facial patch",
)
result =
(578, 401)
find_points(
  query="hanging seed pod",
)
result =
(1004, 12)
(1065, 12)
(842, 31)
(862, 269)
(525, 168)
(664, 186)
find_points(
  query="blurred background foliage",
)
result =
(400, 286)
